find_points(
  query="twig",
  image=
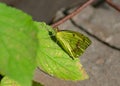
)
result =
(73, 13)
(113, 5)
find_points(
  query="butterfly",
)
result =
(73, 43)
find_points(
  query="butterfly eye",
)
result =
(52, 36)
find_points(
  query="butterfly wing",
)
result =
(72, 42)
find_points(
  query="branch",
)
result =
(113, 5)
(79, 9)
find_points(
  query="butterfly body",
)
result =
(73, 43)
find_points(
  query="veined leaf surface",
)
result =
(54, 61)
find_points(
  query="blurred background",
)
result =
(100, 22)
(42, 10)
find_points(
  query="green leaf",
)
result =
(6, 81)
(17, 45)
(54, 61)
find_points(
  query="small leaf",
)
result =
(6, 81)
(17, 45)
(53, 60)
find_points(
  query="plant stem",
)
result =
(79, 9)
(113, 5)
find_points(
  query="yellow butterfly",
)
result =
(73, 43)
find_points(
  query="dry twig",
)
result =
(79, 9)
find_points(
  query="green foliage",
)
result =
(18, 43)
(53, 60)
(6, 81)
(23, 43)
